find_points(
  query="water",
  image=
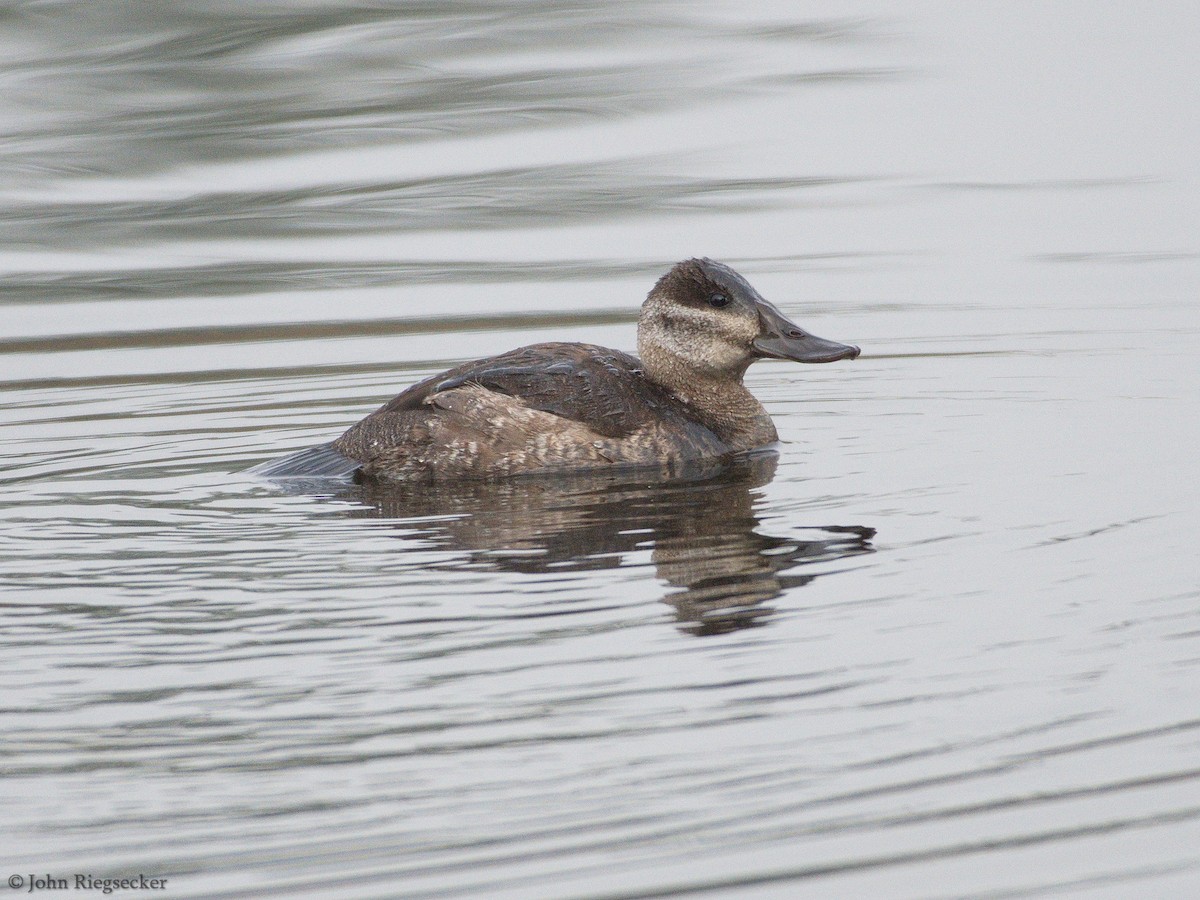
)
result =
(946, 644)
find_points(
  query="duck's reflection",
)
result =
(700, 527)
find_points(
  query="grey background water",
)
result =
(946, 645)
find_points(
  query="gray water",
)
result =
(945, 644)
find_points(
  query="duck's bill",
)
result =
(783, 339)
(807, 349)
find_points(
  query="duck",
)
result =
(567, 407)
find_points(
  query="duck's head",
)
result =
(703, 319)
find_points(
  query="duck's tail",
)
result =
(321, 461)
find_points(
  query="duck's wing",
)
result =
(592, 386)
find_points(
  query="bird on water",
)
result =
(563, 407)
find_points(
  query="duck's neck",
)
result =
(718, 401)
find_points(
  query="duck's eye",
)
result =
(718, 300)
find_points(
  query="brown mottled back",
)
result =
(544, 407)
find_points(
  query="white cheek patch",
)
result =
(701, 319)
(689, 332)
(706, 323)
(724, 355)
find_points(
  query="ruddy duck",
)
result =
(560, 407)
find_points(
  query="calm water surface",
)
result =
(945, 643)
